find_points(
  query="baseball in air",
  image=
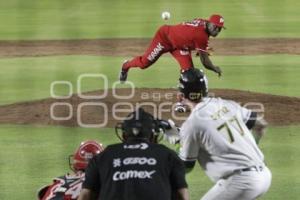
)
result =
(165, 15)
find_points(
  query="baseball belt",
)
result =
(253, 168)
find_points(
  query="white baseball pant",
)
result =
(243, 185)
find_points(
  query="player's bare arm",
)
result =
(206, 62)
(183, 194)
(87, 194)
(257, 125)
(259, 129)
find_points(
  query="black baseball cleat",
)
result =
(124, 73)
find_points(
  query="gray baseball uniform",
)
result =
(216, 135)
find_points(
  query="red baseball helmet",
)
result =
(83, 154)
(218, 20)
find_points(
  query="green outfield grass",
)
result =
(55, 19)
(31, 156)
(30, 78)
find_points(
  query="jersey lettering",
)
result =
(54, 189)
(142, 146)
(217, 115)
(139, 161)
(194, 23)
(132, 174)
(155, 52)
(228, 127)
(74, 190)
(68, 187)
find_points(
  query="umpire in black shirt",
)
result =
(138, 168)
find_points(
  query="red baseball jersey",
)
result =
(66, 187)
(189, 35)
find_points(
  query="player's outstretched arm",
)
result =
(206, 62)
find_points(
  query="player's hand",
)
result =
(210, 51)
(180, 107)
(218, 70)
(172, 134)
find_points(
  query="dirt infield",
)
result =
(132, 47)
(279, 110)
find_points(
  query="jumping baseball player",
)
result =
(137, 168)
(217, 134)
(180, 40)
(68, 187)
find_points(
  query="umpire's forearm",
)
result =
(87, 194)
(183, 194)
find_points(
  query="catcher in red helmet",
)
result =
(68, 187)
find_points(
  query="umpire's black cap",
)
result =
(193, 84)
(139, 124)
